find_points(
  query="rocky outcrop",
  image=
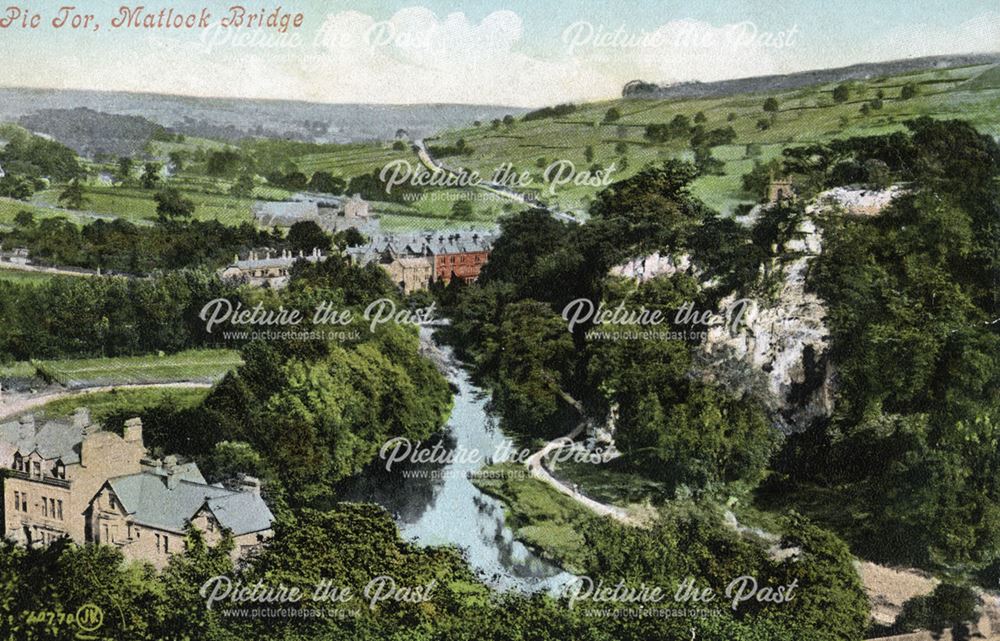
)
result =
(644, 268)
(781, 344)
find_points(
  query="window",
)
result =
(17, 501)
(36, 468)
(52, 508)
(112, 503)
(59, 510)
(45, 507)
(24, 501)
(60, 470)
(210, 524)
(166, 544)
(18, 463)
(158, 548)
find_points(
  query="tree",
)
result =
(948, 606)
(588, 153)
(842, 92)
(24, 218)
(171, 204)
(73, 195)
(223, 163)
(708, 164)
(243, 187)
(123, 172)
(177, 160)
(612, 115)
(17, 187)
(305, 235)
(908, 91)
(771, 105)
(325, 182)
(700, 117)
(150, 175)
(832, 604)
(461, 210)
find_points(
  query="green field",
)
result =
(540, 517)
(136, 205)
(193, 365)
(26, 278)
(805, 116)
(104, 404)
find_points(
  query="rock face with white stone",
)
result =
(779, 349)
(861, 202)
(644, 268)
(782, 340)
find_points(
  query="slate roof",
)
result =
(55, 440)
(150, 501)
(241, 512)
(423, 244)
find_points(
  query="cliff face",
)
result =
(781, 341)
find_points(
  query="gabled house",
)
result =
(54, 469)
(146, 514)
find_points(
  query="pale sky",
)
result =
(519, 52)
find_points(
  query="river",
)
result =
(443, 507)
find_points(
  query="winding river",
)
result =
(439, 505)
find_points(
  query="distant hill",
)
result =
(234, 119)
(765, 84)
(989, 79)
(90, 132)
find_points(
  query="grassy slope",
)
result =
(805, 116)
(103, 404)
(194, 365)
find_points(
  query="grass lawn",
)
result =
(104, 404)
(540, 517)
(204, 365)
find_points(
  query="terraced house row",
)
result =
(74, 479)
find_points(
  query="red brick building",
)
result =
(465, 265)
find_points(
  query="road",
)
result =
(433, 164)
(536, 465)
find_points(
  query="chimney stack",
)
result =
(26, 424)
(170, 467)
(249, 484)
(133, 430)
(81, 417)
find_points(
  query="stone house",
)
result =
(146, 514)
(73, 479)
(267, 271)
(411, 273)
(331, 214)
(780, 189)
(54, 469)
(457, 255)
